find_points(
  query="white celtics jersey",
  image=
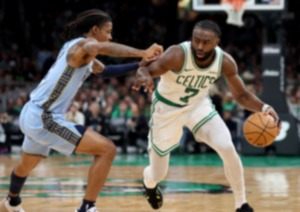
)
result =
(58, 88)
(191, 83)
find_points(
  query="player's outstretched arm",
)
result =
(118, 69)
(86, 50)
(172, 59)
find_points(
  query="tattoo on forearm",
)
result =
(123, 51)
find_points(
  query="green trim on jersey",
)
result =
(220, 63)
(153, 106)
(185, 51)
(203, 121)
(163, 153)
(166, 101)
(212, 104)
(155, 148)
(152, 109)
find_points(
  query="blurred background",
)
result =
(266, 49)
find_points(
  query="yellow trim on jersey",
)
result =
(52, 126)
(59, 87)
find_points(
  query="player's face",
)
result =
(203, 43)
(104, 32)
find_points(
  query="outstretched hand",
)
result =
(154, 51)
(146, 61)
(143, 79)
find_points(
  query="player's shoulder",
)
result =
(228, 59)
(172, 58)
(173, 55)
(174, 50)
(174, 47)
(81, 41)
(229, 65)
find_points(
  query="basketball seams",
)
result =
(266, 124)
(263, 129)
(259, 130)
(262, 132)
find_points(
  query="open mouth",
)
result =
(200, 54)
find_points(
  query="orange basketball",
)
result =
(260, 129)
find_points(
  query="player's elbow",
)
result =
(241, 97)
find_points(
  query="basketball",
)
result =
(260, 130)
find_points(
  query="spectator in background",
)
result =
(119, 118)
(75, 115)
(18, 105)
(94, 119)
(229, 102)
(5, 145)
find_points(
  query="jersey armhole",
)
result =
(185, 51)
(220, 63)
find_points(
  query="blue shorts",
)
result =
(45, 131)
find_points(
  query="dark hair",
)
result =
(84, 22)
(210, 25)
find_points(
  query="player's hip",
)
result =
(166, 114)
(37, 123)
(166, 126)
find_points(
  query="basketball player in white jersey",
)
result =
(181, 99)
(43, 118)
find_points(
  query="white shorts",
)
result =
(166, 124)
(45, 131)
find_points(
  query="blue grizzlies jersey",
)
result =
(58, 88)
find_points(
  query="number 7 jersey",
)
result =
(192, 83)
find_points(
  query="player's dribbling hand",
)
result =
(270, 110)
(143, 79)
(154, 51)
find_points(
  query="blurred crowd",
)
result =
(31, 36)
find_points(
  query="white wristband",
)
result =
(265, 107)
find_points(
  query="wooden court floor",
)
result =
(194, 183)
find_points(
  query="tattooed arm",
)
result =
(86, 50)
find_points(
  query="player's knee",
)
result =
(230, 149)
(110, 148)
(227, 149)
(112, 151)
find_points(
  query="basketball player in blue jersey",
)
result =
(181, 99)
(42, 118)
